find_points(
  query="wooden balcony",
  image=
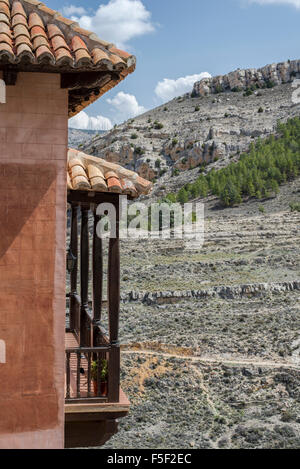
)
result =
(90, 417)
(93, 398)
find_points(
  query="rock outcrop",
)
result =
(265, 77)
(227, 292)
(202, 132)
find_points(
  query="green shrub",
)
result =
(260, 110)
(295, 206)
(270, 84)
(158, 125)
(134, 136)
(262, 209)
(183, 196)
(248, 92)
(139, 151)
(197, 108)
(157, 163)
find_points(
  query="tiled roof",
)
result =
(89, 173)
(35, 38)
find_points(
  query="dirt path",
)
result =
(214, 360)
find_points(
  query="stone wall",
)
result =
(274, 74)
(33, 134)
(229, 292)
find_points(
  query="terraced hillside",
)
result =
(211, 358)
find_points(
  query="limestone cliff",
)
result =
(239, 80)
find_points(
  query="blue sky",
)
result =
(178, 40)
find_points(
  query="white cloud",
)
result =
(73, 10)
(294, 3)
(126, 106)
(118, 21)
(85, 122)
(168, 89)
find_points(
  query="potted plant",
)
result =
(103, 370)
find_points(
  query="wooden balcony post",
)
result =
(113, 297)
(84, 273)
(73, 276)
(97, 279)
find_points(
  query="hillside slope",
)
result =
(188, 131)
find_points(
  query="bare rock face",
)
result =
(268, 76)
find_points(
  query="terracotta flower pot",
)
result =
(103, 388)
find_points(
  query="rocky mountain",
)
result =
(77, 138)
(201, 127)
(265, 77)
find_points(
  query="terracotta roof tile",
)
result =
(6, 39)
(114, 185)
(19, 19)
(24, 49)
(43, 52)
(6, 50)
(35, 20)
(23, 40)
(100, 56)
(78, 43)
(40, 41)
(38, 31)
(82, 56)
(47, 10)
(116, 60)
(95, 174)
(21, 30)
(4, 18)
(5, 29)
(63, 56)
(59, 43)
(120, 53)
(5, 9)
(53, 31)
(17, 8)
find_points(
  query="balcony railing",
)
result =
(92, 348)
(86, 376)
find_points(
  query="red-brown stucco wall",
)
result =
(33, 157)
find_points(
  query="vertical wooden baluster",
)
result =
(68, 375)
(89, 377)
(99, 374)
(73, 277)
(113, 313)
(97, 278)
(78, 373)
(84, 274)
